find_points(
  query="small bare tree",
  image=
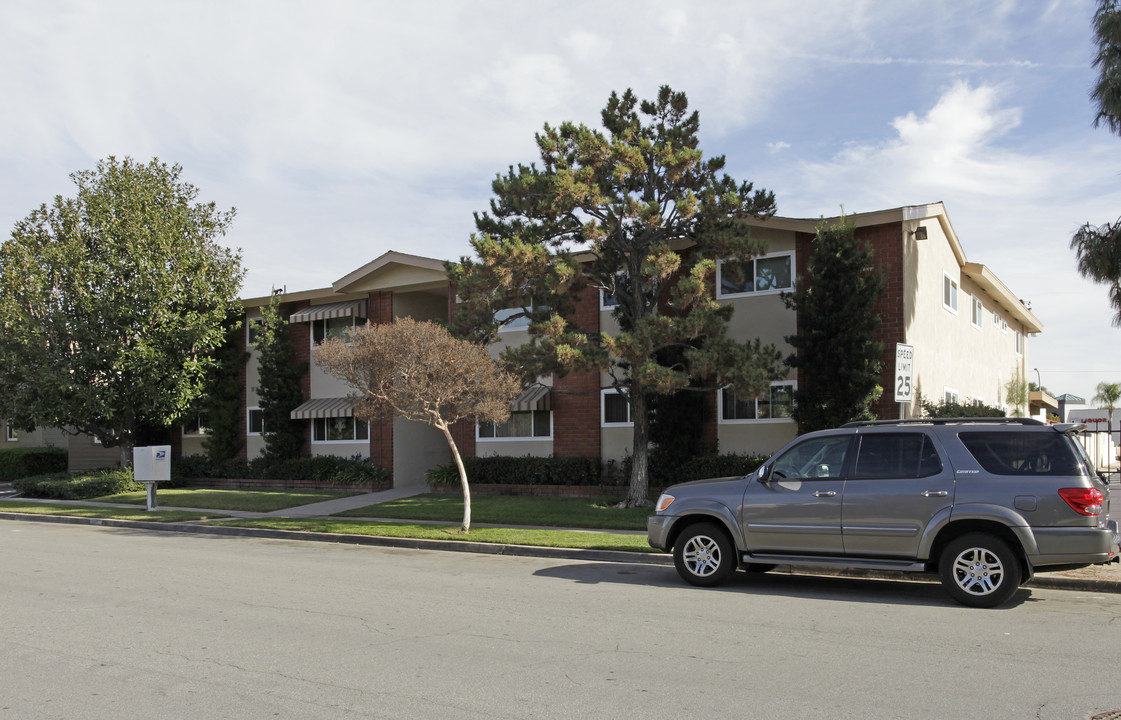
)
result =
(418, 371)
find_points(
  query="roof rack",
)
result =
(947, 421)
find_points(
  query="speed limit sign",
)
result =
(904, 372)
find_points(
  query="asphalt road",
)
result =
(116, 623)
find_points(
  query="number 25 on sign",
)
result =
(904, 369)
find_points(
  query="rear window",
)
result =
(1023, 453)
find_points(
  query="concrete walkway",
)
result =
(331, 507)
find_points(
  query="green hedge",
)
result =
(26, 462)
(527, 470)
(80, 486)
(323, 468)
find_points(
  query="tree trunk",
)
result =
(466, 526)
(637, 495)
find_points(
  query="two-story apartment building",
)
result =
(969, 332)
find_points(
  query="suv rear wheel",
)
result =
(704, 555)
(979, 570)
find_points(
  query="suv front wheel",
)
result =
(979, 570)
(704, 555)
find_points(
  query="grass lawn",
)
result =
(594, 513)
(104, 513)
(501, 536)
(247, 500)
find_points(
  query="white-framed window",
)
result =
(764, 275)
(253, 327)
(194, 426)
(615, 409)
(1019, 342)
(977, 317)
(339, 429)
(607, 301)
(522, 425)
(949, 293)
(13, 434)
(254, 421)
(331, 328)
(518, 323)
(773, 404)
(1003, 325)
(950, 395)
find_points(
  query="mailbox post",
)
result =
(150, 465)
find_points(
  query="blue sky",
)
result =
(340, 130)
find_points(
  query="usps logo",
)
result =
(161, 454)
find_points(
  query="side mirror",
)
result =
(764, 473)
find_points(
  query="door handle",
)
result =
(935, 493)
(825, 493)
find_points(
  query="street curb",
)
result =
(1052, 582)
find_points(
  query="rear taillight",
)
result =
(1084, 501)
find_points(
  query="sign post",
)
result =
(904, 376)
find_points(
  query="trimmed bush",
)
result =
(528, 470)
(80, 486)
(709, 466)
(328, 469)
(27, 462)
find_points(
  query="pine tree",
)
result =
(636, 213)
(836, 348)
(279, 389)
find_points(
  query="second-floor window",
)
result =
(765, 274)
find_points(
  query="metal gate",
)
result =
(1102, 449)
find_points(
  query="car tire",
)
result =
(979, 570)
(704, 555)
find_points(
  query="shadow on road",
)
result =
(884, 592)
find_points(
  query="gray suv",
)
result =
(984, 502)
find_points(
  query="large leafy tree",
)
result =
(839, 361)
(638, 213)
(1098, 247)
(112, 303)
(418, 371)
(279, 388)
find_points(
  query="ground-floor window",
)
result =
(615, 409)
(194, 425)
(341, 429)
(773, 404)
(255, 424)
(531, 424)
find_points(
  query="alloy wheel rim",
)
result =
(702, 556)
(978, 571)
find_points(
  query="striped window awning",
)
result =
(538, 397)
(324, 408)
(355, 308)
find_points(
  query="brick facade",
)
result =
(576, 396)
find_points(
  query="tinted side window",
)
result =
(897, 455)
(817, 458)
(1022, 453)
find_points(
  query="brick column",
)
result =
(887, 248)
(299, 334)
(576, 396)
(381, 431)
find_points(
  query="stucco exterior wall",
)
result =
(416, 448)
(951, 354)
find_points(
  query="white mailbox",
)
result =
(150, 465)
